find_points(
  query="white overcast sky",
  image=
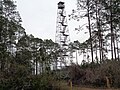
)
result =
(39, 18)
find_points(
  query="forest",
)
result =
(27, 62)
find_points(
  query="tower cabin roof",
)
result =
(61, 5)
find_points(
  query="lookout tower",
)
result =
(62, 35)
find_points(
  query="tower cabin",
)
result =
(61, 5)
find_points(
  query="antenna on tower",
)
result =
(62, 36)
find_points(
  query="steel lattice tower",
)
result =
(62, 35)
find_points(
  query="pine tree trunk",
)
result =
(114, 47)
(111, 26)
(89, 26)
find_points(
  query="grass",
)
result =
(83, 88)
(65, 86)
(80, 88)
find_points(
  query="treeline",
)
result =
(101, 52)
(103, 25)
(22, 56)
